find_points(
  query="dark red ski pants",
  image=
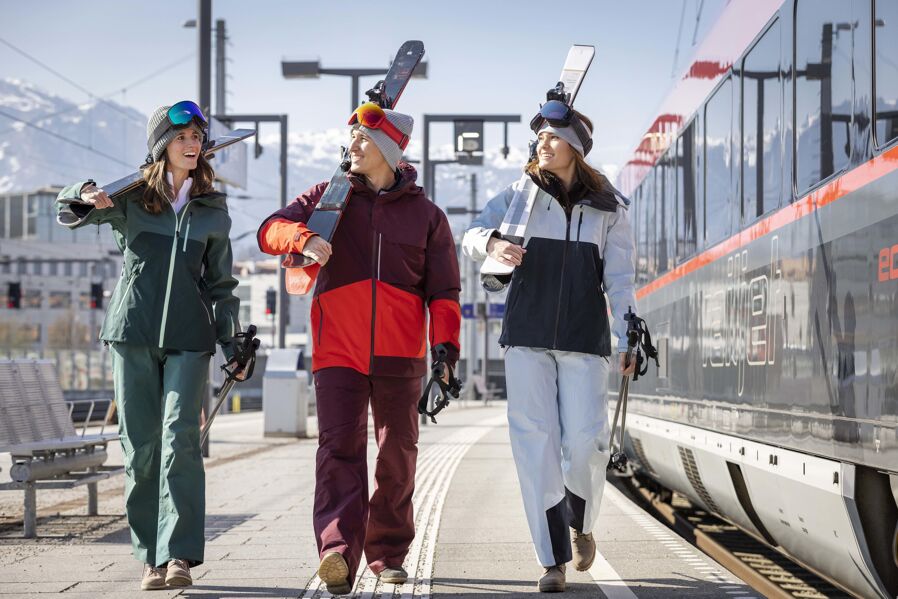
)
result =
(345, 519)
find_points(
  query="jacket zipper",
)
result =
(375, 263)
(187, 232)
(171, 269)
(567, 239)
(379, 242)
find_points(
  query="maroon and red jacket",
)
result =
(393, 255)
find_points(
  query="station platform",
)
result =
(472, 539)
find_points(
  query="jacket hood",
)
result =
(404, 188)
(608, 199)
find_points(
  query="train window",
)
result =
(637, 215)
(669, 208)
(662, 256)
(718, 162)
(823, 89)
(886, 82)
(761, 126)
(699, 170)
(650, 235)
(686, 213)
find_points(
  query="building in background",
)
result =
(63, 280)
(256, 278)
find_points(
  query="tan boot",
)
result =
(584, 547)
(393, 575)
(334, 572)
(153, 578)
(552, 581)
(178, 574)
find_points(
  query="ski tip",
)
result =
(411, 47)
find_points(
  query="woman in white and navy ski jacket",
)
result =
(578, 249)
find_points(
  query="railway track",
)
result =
(765, 569)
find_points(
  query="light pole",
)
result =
(204, 54)
(221, 40)
(281, 119)
(468, 150)
(470, 288)
(313, 70)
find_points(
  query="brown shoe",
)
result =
(584, 547)
(553, 580)
(178, 573)
(393, 575)
(334, 572)
(153, 578)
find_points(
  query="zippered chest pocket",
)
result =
(400, 259)
(185, 235)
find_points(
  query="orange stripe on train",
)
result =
(836, 189)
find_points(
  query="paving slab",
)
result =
(472, 542)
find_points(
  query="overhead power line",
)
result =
(698, 20)
(155, 73)
(69, 81)
(673, 70)
(65, 139)
(142, 80)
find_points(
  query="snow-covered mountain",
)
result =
(112, 137)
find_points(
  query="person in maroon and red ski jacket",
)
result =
(393, 260)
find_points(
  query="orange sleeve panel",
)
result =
(445, 326)
(281, 236)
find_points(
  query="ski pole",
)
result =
(618, 459)
(245, 346)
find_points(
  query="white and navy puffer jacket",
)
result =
(574, 257)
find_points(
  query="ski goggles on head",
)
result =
(184, 112)
(180, 115)
(559, 115)
(372, 116)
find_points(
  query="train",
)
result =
(765, 214)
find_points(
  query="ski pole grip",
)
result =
(632, 328)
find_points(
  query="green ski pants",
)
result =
(159, 395)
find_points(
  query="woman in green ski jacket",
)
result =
(174, 300)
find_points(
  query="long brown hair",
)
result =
(158, 193)
(591, 179)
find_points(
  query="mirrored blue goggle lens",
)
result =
(184, 112)
(555, 111)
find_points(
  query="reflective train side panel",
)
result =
(766, 216)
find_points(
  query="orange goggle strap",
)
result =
(383, 124)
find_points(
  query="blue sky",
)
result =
(484, 56)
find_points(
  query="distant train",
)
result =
(765, 210)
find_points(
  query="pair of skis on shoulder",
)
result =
(301, 270)
(494, 275)
(135, 179)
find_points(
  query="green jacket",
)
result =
(176, 290)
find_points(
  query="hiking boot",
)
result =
(153, 578)
(393, 575)
(178, 573)
(552, 581)
(334, 572)
(584, 550)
